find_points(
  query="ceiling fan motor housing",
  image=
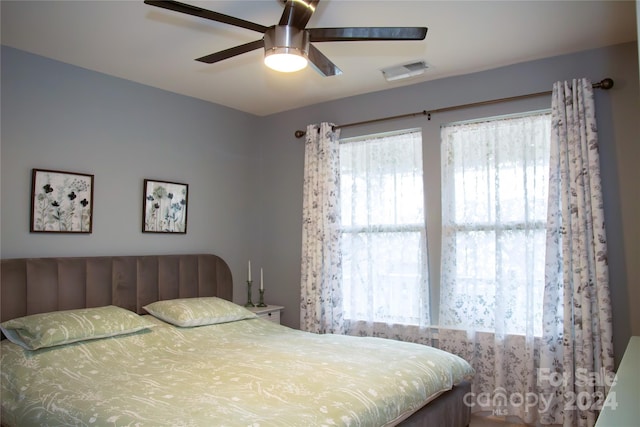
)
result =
(286, 39)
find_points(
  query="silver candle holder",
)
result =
(261, 303)
(249, 302)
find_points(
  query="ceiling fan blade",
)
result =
(234, 51)
(366, 33)
(207, 14)
(321, 63)
(298, 12)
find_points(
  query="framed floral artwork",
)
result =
(61, 202)
(164, 207)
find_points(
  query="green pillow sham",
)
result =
(68, 326)
(199, 311)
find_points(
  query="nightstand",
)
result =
(270, 312)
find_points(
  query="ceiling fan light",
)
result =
(286, 60)
(285, 48)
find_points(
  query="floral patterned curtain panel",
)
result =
(578, 340)
(321, 297)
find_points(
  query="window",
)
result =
(494, 209)
(383, 239)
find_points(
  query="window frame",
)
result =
(457, 227)
(416, 227)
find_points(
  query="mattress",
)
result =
(250, 372)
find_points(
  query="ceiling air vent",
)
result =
(404, 71)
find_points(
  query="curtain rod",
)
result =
(603, 84)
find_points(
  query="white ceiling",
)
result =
(157, 47)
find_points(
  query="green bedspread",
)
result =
(245, 373)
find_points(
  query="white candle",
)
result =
(261, 280)
(249, 270)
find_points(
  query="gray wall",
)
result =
(56, 116)
(618, 114)
(245, 172)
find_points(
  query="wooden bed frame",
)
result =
(37, 285)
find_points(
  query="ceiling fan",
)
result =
(288, 45)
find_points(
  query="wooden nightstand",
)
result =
(270, 312)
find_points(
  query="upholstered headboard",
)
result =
(37, 285)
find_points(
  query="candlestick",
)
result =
(249, 302)
(261, 303)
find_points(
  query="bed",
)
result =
(187, 356)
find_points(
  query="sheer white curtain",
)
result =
(385, 275)
(321, 295)
(494, 197)
(578, 342)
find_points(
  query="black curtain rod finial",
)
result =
(605, 84)
(300, 133)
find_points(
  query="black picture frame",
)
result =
(165, 207)
(61, 202)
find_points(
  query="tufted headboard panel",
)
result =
(37, 285)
